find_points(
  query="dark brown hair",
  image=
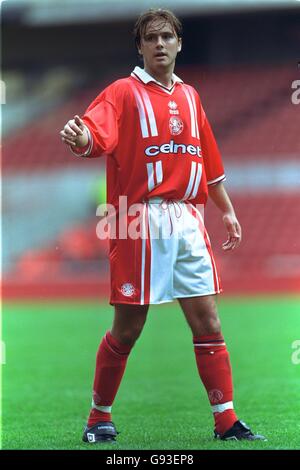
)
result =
(151, 15)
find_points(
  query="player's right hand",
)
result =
(74, 133)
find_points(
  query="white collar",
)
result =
(145, 77)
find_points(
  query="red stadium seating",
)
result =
(267, 261)
(249, 107)
(38, 146)
(253, 118)
(268, 257)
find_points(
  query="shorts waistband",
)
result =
(159, 200)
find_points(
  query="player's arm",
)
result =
(215, 175)
(96, 133)
(219, 196)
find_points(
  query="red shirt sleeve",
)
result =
(102, 123)
(213, 165)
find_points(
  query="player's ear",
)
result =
(179, 45)
(139, 49)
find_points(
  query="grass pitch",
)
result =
(161, 404)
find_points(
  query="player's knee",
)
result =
(213, 326)
(211, 321)
(208, 326)
(129, 336)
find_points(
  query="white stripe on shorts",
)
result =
(204, 232)
(144, 232)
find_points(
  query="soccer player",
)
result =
(163, 156)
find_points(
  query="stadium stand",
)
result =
(37, 145)
(241, 103)
(254, 120)
(271, 135)
(268, 258)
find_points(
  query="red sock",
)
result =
(96, 416)
(110, 366)
(215, 371)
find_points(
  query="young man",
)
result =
(161, 154)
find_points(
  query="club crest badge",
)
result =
(175, 125)
(127, 289)
(215, 396)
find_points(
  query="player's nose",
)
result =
(159, 42)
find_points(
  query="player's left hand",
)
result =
(234, 232)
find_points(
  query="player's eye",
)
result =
(167, 36)
(149, 37)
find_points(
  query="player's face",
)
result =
(159, 45)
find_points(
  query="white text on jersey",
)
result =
(171, 147)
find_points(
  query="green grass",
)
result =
(161, 404)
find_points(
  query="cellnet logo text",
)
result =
(171, 147)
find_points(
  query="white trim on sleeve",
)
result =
(89, 149)
(217, 180)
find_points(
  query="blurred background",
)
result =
(241, 56)
(57, 55)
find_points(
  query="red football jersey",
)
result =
(158, 140)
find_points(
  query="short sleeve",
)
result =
(101, 121)
(213, 164)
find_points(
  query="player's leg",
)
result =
(201, 314)
(112, 357)
(212, 357)
(128, 323)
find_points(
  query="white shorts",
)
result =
(173, 259)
